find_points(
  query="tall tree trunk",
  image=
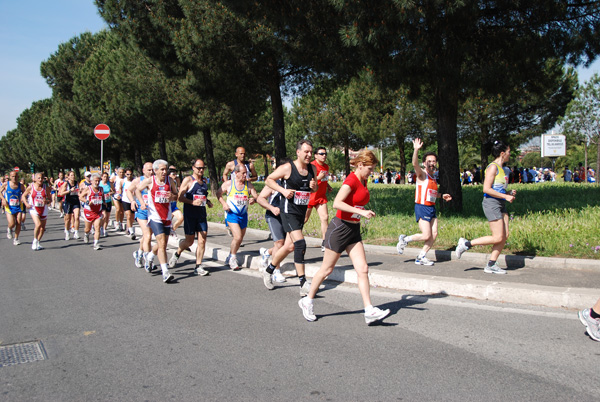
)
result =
(274, 82)
(484, 137)
(401, 150)
(137, 156)
(446, 102)
(346, 159)
(210, 160)
(162, 146)
(266, 161)
(585, 160)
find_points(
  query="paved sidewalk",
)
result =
(551, 282)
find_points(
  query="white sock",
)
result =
(150, 256)
(422, 254)
(164, 268)
(368, 309)
(408, 239)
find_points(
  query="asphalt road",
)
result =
(113, 332)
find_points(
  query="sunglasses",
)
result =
(321, 153)
(199, 167)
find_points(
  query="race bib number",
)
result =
(145, 198)
(13, 202)
(431, 195)
(357, 216)
(39, 202)
(301, 197)
(326, 178)
(162, 197)
(240, 200)
(95, 200)
(202, 199)
(107, 197)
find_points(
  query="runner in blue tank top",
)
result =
(12, 191)
(193, 193)
(141, 215)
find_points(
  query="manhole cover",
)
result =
(21, 353)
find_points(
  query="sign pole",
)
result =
(102, 132)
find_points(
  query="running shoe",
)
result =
(16, 242)
(401, 244)
(148, 265)
(376, 314)
(67, 235)
(9, 234)
(116, 225)
(264, 257)
(278, 276)
(227, 259)
(132, 235)
(34, 244)
(267, 279)
(86, 237)
(233, 264)
(307, 310)
(138, 262)
(167, 277)
(39, 246)
(592, 325)
(76, 235)
(173, 261)
(304, 289)
(136, 254)
(97, 246)
(423, 261)
(62, 214)
(323, 246)
(493, 269)
(461, 248)
(200, 270)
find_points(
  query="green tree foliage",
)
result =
(453, 49)
(529, 110)
(582, 118)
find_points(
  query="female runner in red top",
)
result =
(343, 233)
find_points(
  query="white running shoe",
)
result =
(173, 260)
(138, 261)
(494, 269)
(67, 235)
(39, 246)
(9, 235)
(304, 289)
(167, 277)
(132, 234)
(76, 235)
(307, 310)
(233, 264)
(376, 314)
(148, 265)
(116, 225)
(423, 261)
(200, 270)
(97, 246)
(278, 276)
(34, 244)
(592, 325)
(264, 257)
(267, 279)
(401, 244)
(461, 248)
(86, 237)
(62, 214)
(16, 242)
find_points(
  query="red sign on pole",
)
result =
(16, 168)
(102, 131)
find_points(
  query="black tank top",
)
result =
(298, 204)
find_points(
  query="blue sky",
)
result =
(31, 30)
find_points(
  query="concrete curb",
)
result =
(549, 296)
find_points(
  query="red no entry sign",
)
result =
(102, 131)
(16, 168)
